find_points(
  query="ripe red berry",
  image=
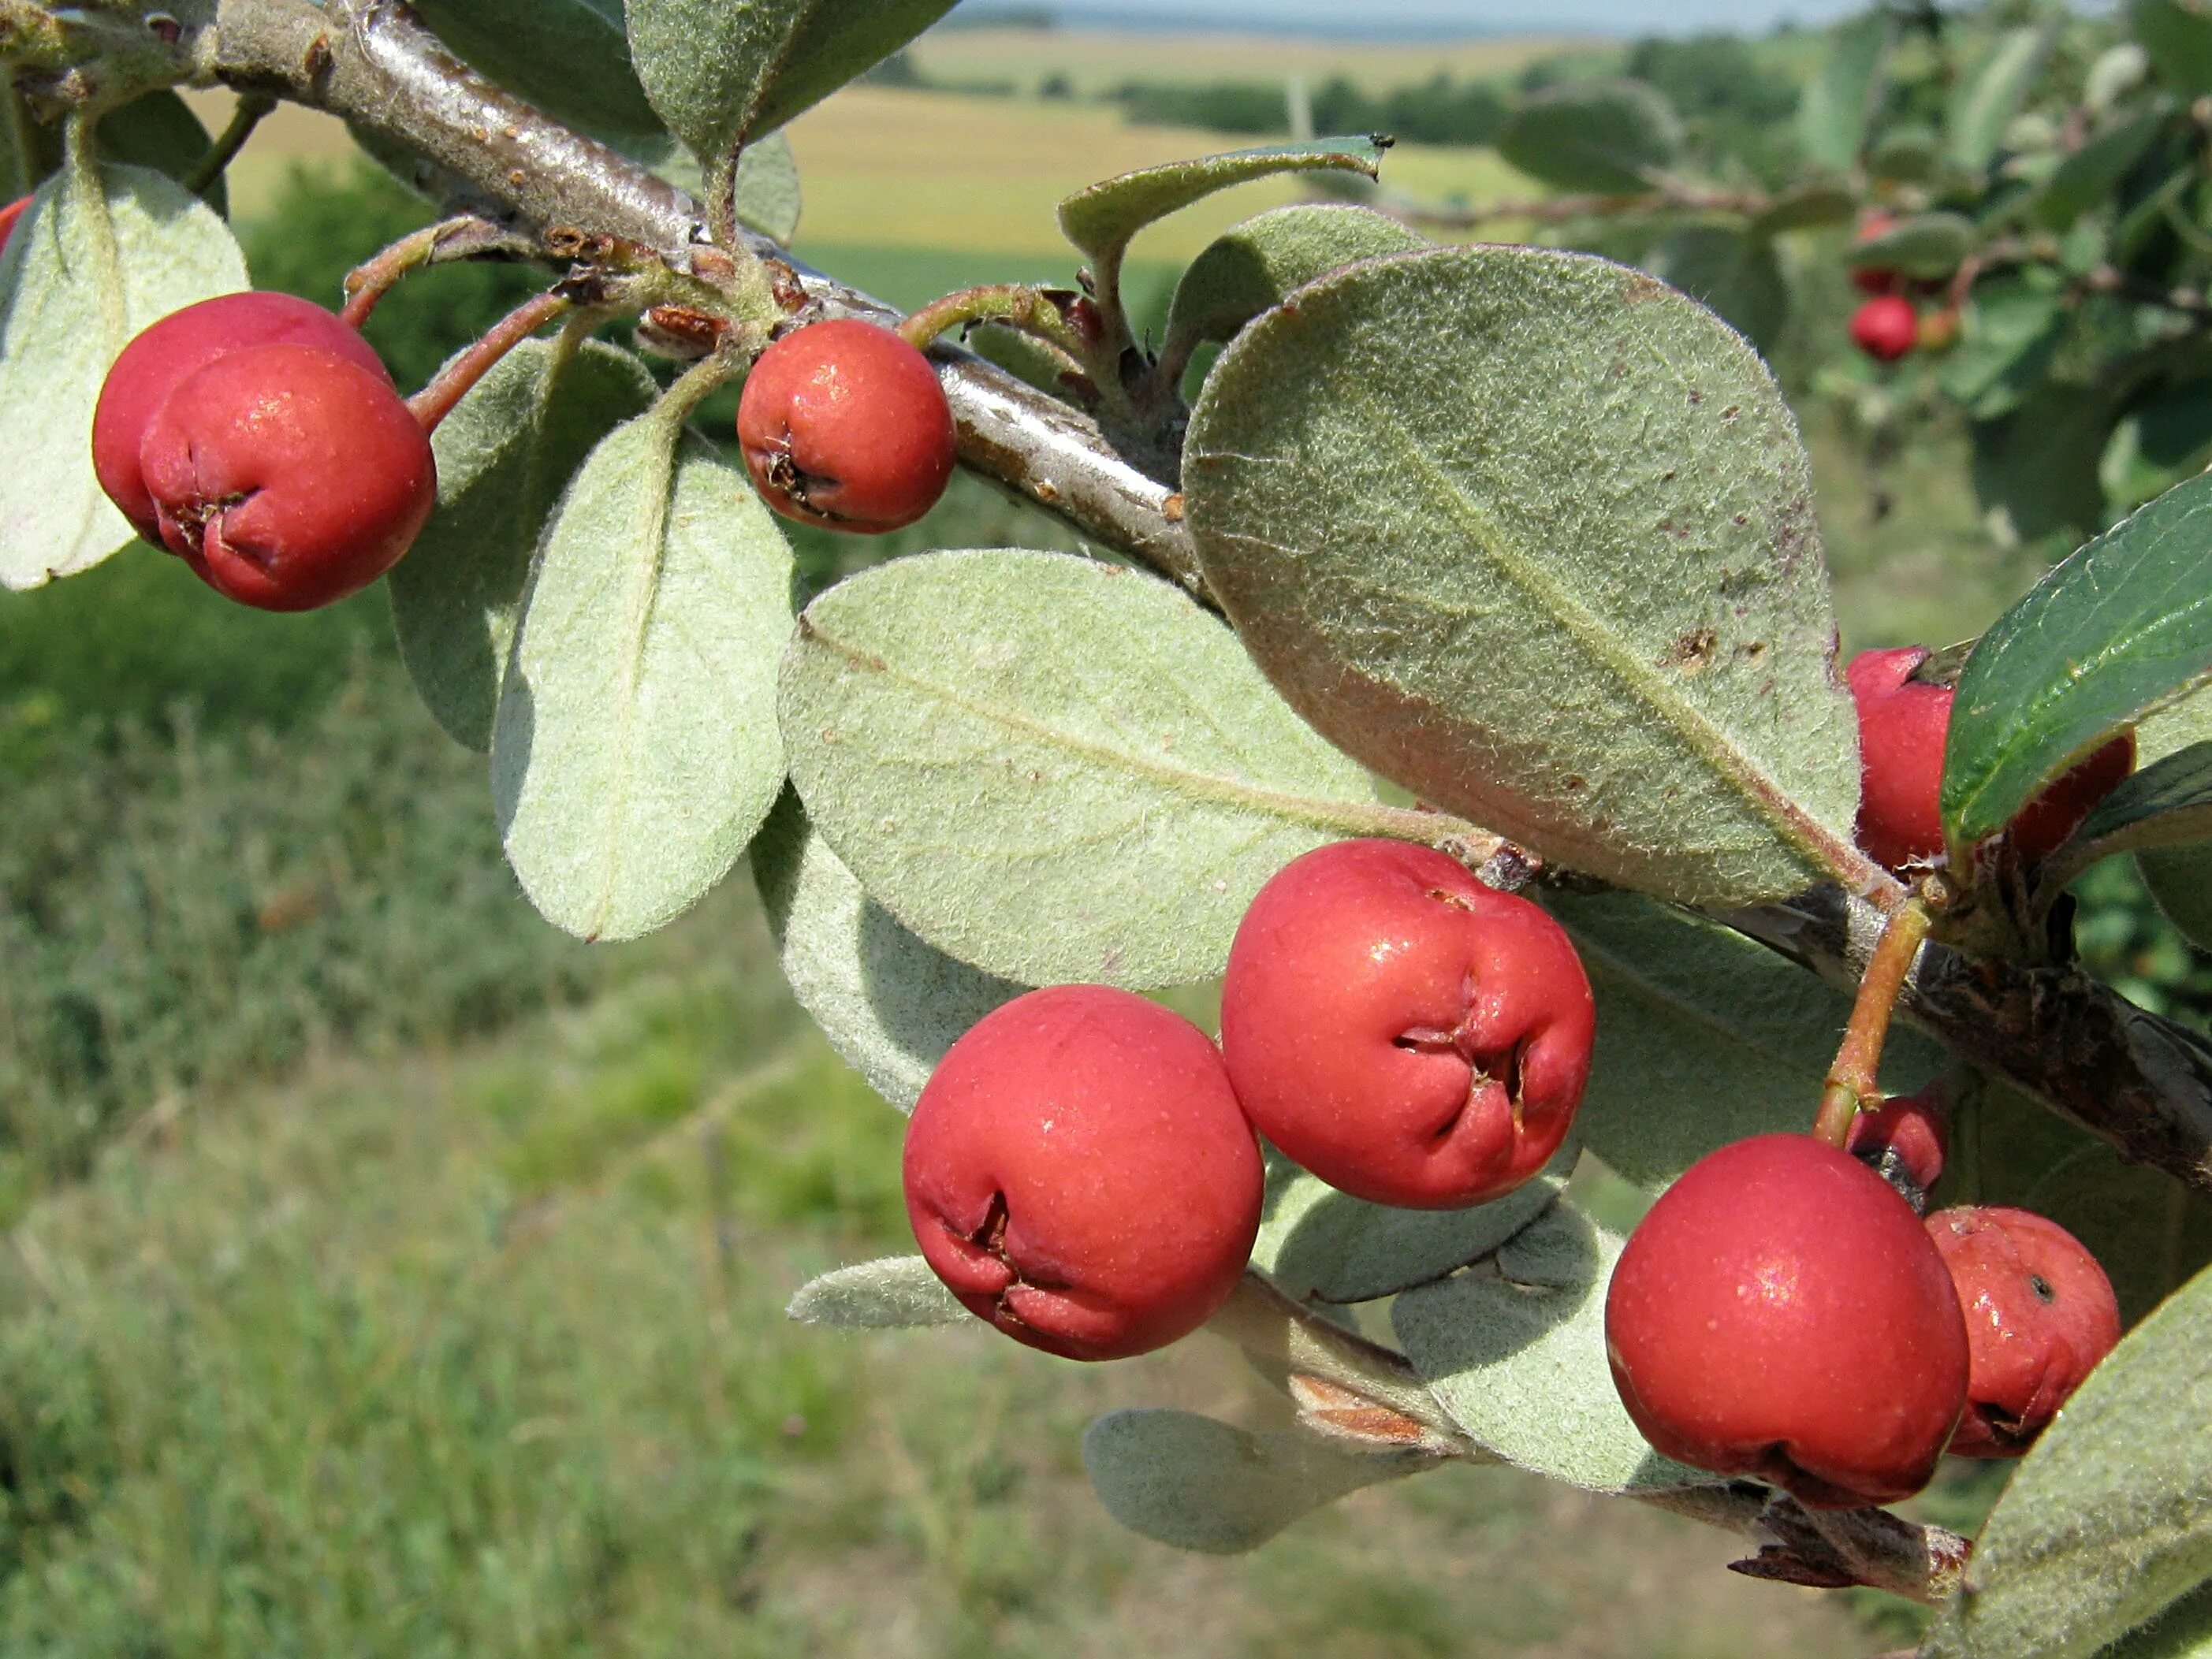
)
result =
(843, 424)
(1079, 1174)
(9, 217)
(1874, 279)
(1904, 1140)
(2040, 1315)
(1781, 1313)
(161, 356)
(1886, 327)
(1902, 725)
(288, 476)
(1406, 1033)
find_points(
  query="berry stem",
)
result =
(1017, 305)
(435, 401)
(1851, 1079)
(253, 107)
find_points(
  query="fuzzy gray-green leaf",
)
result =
(1104, 216)
(897, 1293)
(1531, 535)
(85, 270)
(1053, 769)
(1985, 102)
(1614, 137)
(890, 1004)
(635, 750)
(1249, 269)
(1517, 1359)
(1191, 1482)
(1839, 102)
(504, 456)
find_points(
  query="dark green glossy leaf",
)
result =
(2037, 466)
(2168, 803)
(2180, 880)
(570, 57)
(1611, 137)
(1732, 272)
(1840, 100)
(1101, 219)
(2119, 628)
(1531, 535)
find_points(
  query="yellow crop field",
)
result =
(1096, 59)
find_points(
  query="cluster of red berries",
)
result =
(1889, 325)
(1082, 1169)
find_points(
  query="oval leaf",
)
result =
(636, 752)
(86, 268)
(1317, 1243)
(1613, 136)
(1732, 272)
(1840, 101)
(1531, 535)
(2120, 628)
(570, 57)
(897, 1293)
(1927, 245)
(504, 455)
(1517, 1359)
(1105, 814)
(1702, 1037)
(2088, 178)
(1196, 1484)
(723, 72)
(2109, 1518)
(2177, 34)
(1984, 104)
(1102, 219)
(890, 1004)
(1249, 270)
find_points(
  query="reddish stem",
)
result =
(1851, 1079)
(435, 401)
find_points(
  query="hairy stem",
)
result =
(252, 108)
(458, 378)
(1852, 1079)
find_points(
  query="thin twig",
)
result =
(252, 108)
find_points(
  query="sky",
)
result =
(1370, 18)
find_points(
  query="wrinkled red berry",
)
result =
(10, 217)
(1406, 1033)
(1079, 1174)
(843, 424)
(1904, 1140)
(1903, 724)
(288, 476)
(1781, 1313)
(2040, 1315)
(1886, 327)
(163, 355)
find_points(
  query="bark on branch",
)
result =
(2140, 1082)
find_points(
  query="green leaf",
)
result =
(1911, 154)
(1101, 219)
(2158, 443)
(2166, 805)
(1318, 1243)
(1807, 207)
(1983, 103)
(160, 131)
(86, 270)
(2118, 70)
(2177, 35)
(897, 1293)
(1106, 813)
(890, 1004)
(724, 72)
(1610, 136)
(1927, 245)
(1840, 101)
(1188, 1481)
(2088, 178)
(769, 195)
(2013, 327)
(2184, 1631)
(1732, 272)
(2037, 466)
(1702, 1037)
(1531, 535)
(570, 57)
(504, 455)
(28, 152)
(2180, 879)
(1249, 269)
(1517, 1359)
(2109, 1519)
(2122, 627)
(635, 750)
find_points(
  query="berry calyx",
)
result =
(1409, 1034)
(1781, 1313)
(1886, 327)
(1079, 1174)
(2040, 1315)
(1903, 725)
(843, 424)
(11, 216)
(288, 476)
(162, 356)
(1904, 1140)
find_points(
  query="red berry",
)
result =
(1079, 1174)
(9, 217)
(1886, 327)
(1781, 1313)
(843, 424)
(288, 476)
(1904, 1140)
(1407, 1034)
(2040, 1315)
(1902, 725)
(161, 356)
